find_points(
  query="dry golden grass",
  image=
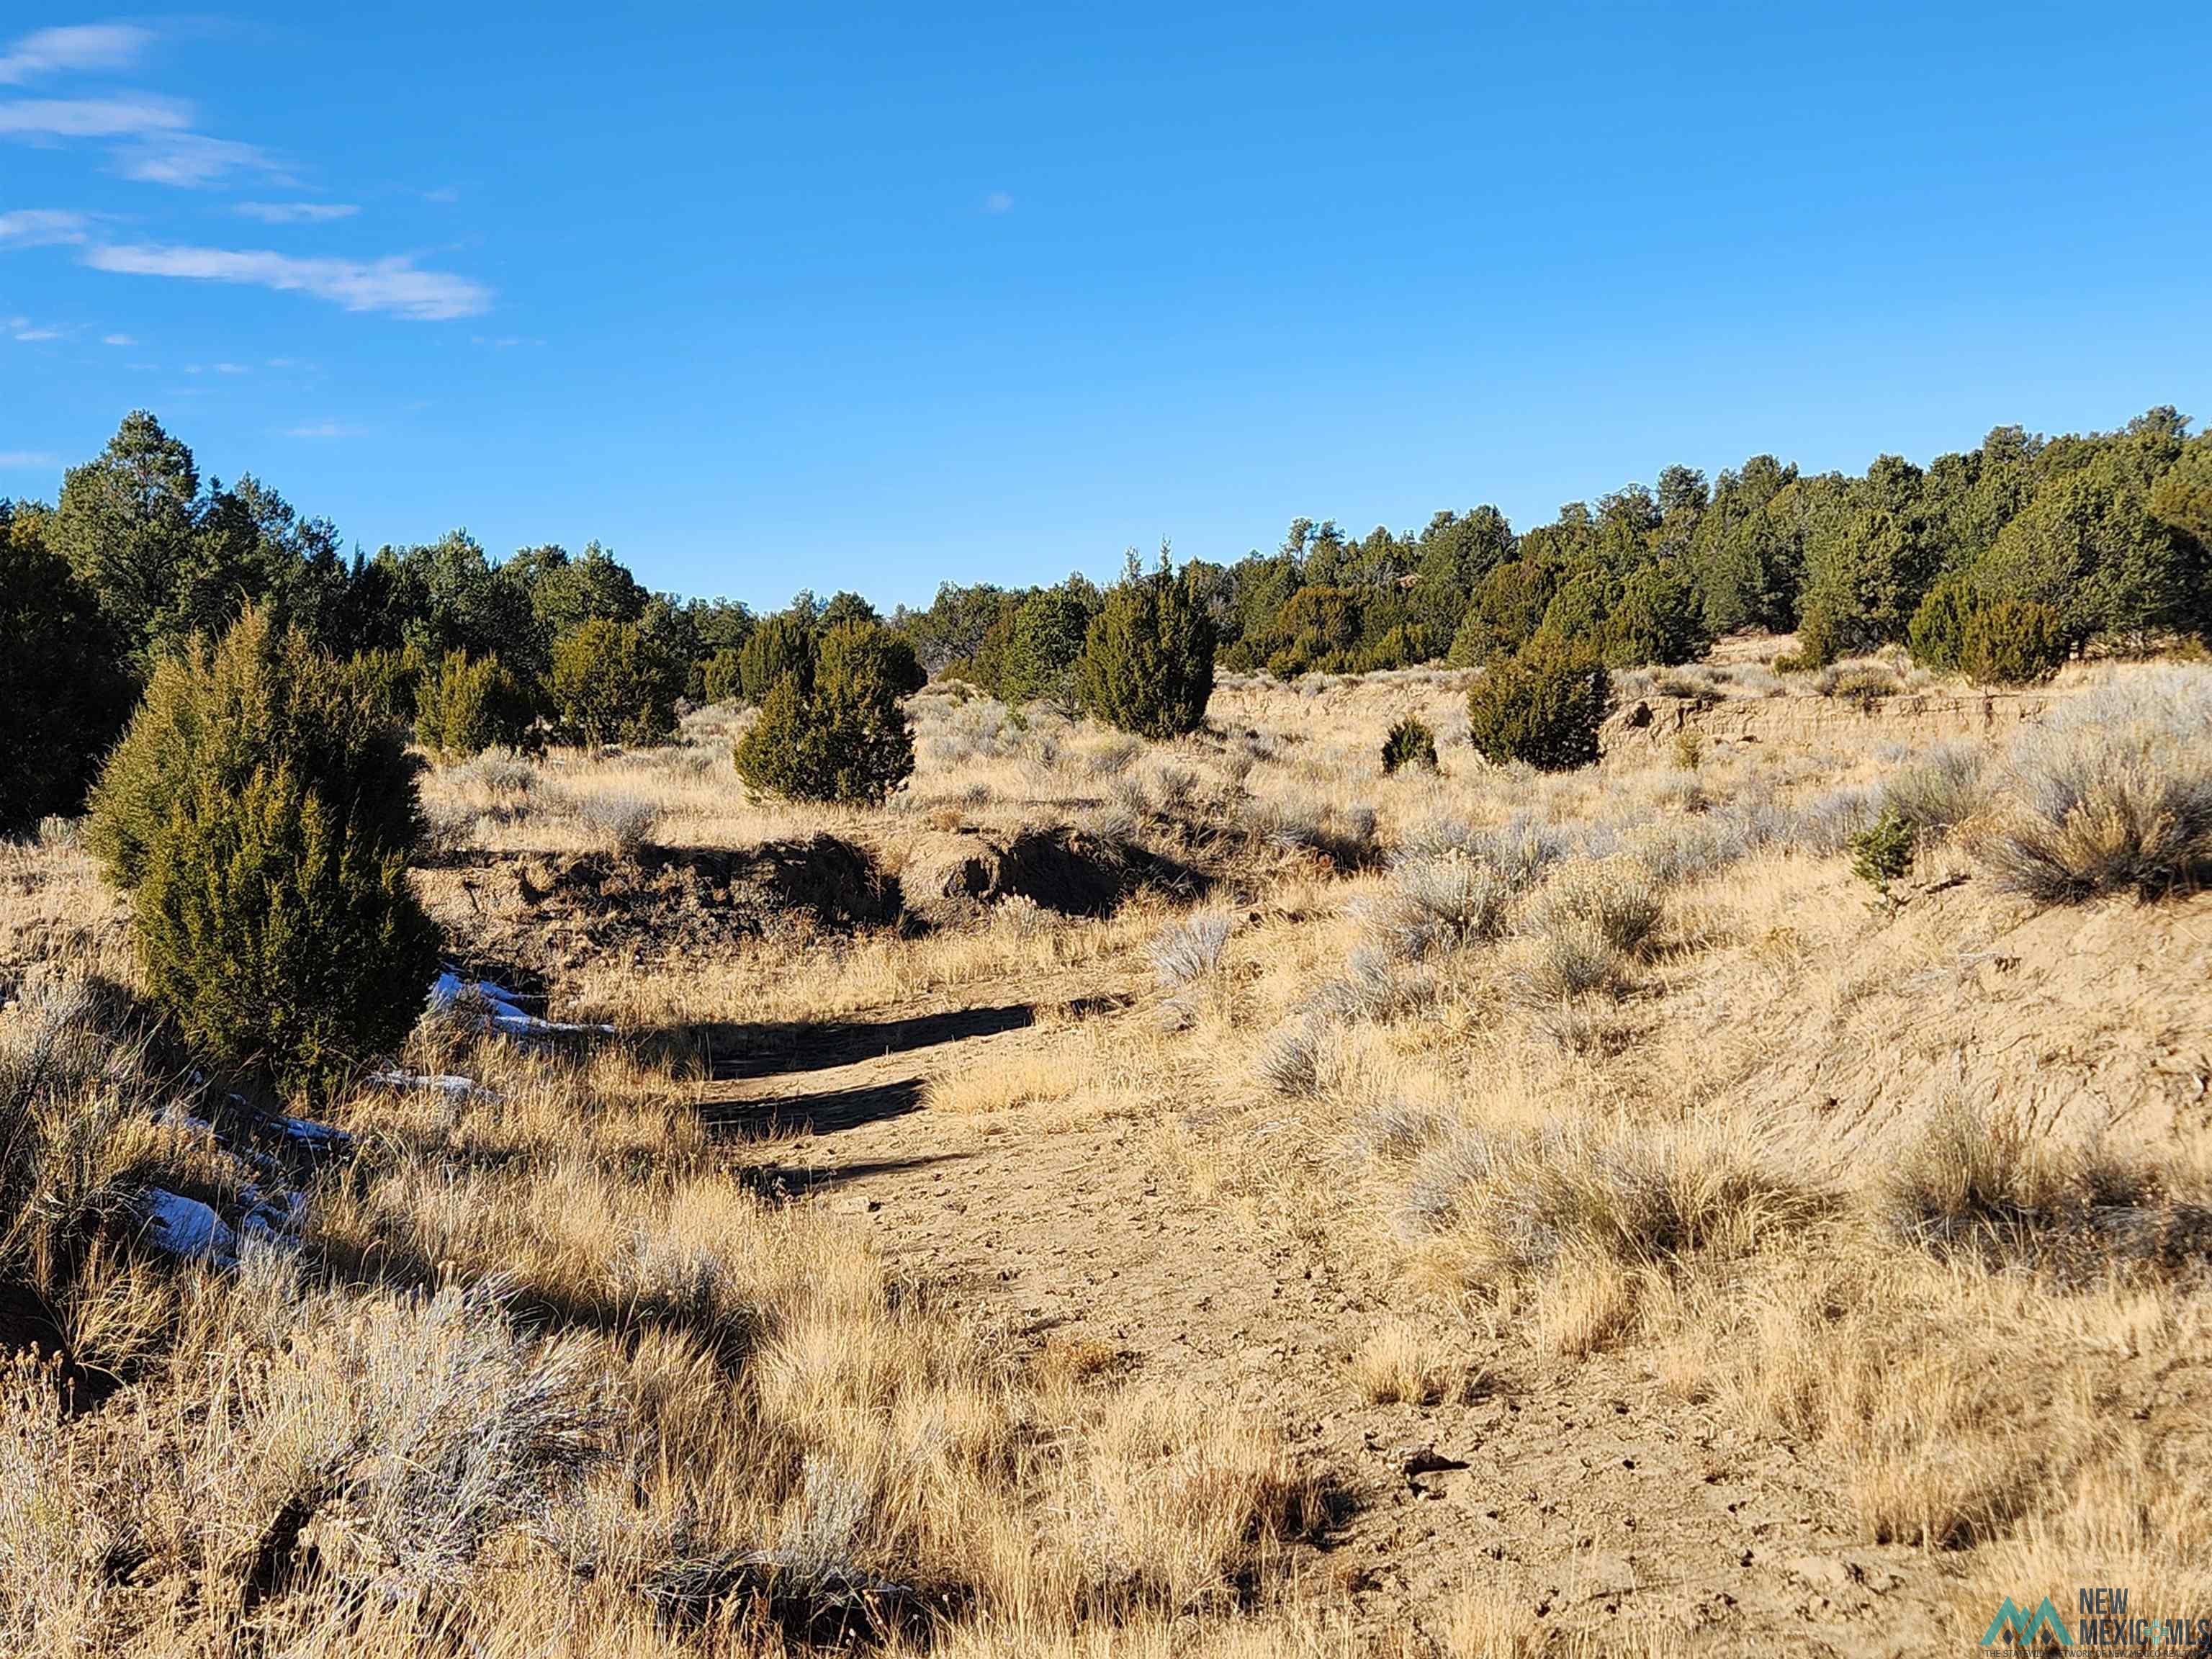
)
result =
(1399, 1363)
(548, 1334)
(1617, 1069)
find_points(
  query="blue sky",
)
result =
(872, 297)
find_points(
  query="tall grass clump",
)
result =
(79, 1139)
(1943, 789)
(1187, 953)
(261, 811)
(2114, 796)
(1435, 905)
(1982, 1182)
(1541, 1202)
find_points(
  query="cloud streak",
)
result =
(190, 160)
(126, 116)
(79, 46)
(26, 460)
(296, 213)
(395, 285)
(41, 228)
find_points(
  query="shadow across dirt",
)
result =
(734, 1051)
(797, 1180)
(823, 1114)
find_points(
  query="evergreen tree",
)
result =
(1147, 662)
(835, 733)
(782, 646)
(1043, 645)
(611, 683)
(261, 809)
(63, 684)
(468, 705)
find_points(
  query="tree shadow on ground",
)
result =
(798, 1181)
(819, 1113)
(732, 1050)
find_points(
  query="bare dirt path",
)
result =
(1586, 1493)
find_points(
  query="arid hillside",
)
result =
(1752, 1196)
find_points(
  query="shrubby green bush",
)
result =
(1043, 645)
(782, 647)
(2012, 642)
(1409, 743)
(1543, 705)
(611, 683)
(261, 810)
(1147, 661)
(836, 731)
(1881, 854)
(1937, 635)
(469, 704)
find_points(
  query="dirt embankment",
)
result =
(544, 911)
(1806, 722)
(547, 911)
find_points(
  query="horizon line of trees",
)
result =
(2088, 540)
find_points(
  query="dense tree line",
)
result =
(2075, 543)
(2107, 531)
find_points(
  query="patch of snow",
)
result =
(186, 1227)
(504, 1009)
(274, 1218)
(316, 1137)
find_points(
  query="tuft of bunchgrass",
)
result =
(2115, 796)
(1942, 789)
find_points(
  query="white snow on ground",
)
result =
(316, 1137)
(274, 1218)
(503, 1008)
(186, 1227)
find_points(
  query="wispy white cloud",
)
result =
(41, 228)
(998, 201)
(157, 143)
(124, 116)
(445, 195)
(322, 429)
(190, 160)
(78, 46)
(26, 460)
(394, 285)
(33, 335)
(296, 213)
(117, 340)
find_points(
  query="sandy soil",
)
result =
(1606, 1505)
